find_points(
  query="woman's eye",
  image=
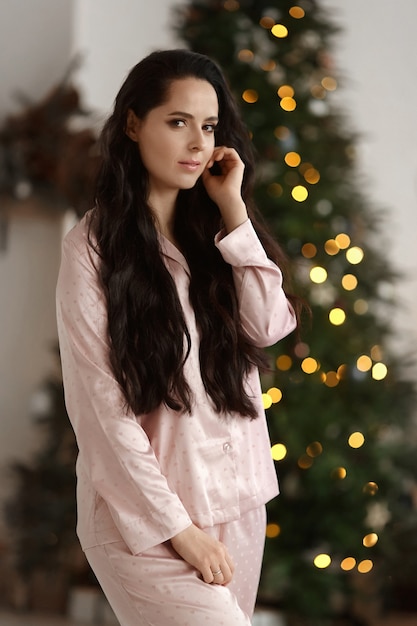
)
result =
(209, 128)
(177, 123)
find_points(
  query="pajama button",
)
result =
(227, 447)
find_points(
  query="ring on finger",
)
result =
(217, 573)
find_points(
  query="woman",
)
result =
(168, 291)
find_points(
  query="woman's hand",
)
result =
(225, 188)
(209, 556)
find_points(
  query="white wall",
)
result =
(376, 55)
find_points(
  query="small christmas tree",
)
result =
(338, 402)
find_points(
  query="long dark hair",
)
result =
(146, 324)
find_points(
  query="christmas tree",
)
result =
(338, 401)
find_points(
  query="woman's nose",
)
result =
(197, 141)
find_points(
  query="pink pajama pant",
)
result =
(158, 588)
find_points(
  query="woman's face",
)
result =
(176, 139)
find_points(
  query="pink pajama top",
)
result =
(145, 478)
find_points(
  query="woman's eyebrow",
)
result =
(211, 118)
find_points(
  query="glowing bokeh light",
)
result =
(370, 540)
(329, 83)
(297, 12)
(343, 241)
(379, 371)
(355, 255)
(245, 55)
(272, 530)
(267, 22)
(266, 400)
(348, 564)
(331, 380)
(278, 451)
(318, 275)
(349, 282)
(292, 159)
(365, 566)
(299, 193)
(288, 104)
(339, 473)
(314, 449)
(250, 96)
(305, 461)
(275, 394)
(309, 250)
(371, 488)
(360, 307)
(285, 91)
(331, 247)
(356, 440)
(309, 365)
(312, 175)
(284, 362)
(337, 316)
(322, 561)
(280, 31)
(364, 363)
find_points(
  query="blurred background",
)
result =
(338, 178)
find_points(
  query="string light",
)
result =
(272, 531)
(349, 282)
(339, 473)
(278, 451)
(288, 104)
(299, 193)
(314, 449)
(309, 250)
(356, 440)
(354, 255)
(370, 488)
(250, 96)
(331, 247)
(329, 83)
(337, 316)
(370, 540)
(379, 371)
(364, 363)
(284, 362)
(348, 564)
(318, 275)
(267, 22)
(280, 31)
(292, 159)
(285, 91)
(322, 561)
(245, 55)
(343, 241)
(297, 12)
(275, 394)
(310, 365)
(365, 566)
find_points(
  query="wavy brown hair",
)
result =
(146, 324)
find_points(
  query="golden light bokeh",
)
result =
(318, 275)
(266, 401)
(331, 247)
(297, 12)
(292, 159)
(356, 440)
(339, 473)
(348, 564)
(309, 365)
(275, 394)
(309, 250)
(299, 193)
(337, 316)
(343, 241)
(285, 91)
(349, 282)
(284, 362)
(245, 55)
(312, 175)
(280, 31)
(267, 22)
(379, 371)
(314, 449)
(370, 540)
(364, 363)
(365, 566)
(288, 104)
(371, 488)
(355, 255)
(250, 96)
(272, 530)
(278, 451)
(322, 561)
(329, 83)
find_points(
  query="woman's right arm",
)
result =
(115, 451)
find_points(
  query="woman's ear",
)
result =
(132, 125)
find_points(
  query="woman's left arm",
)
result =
(266, 314)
